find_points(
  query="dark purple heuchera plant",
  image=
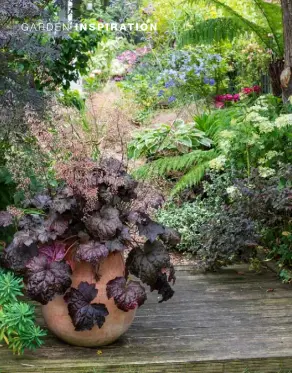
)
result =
(93, 214)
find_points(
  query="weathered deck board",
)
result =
(216, 323)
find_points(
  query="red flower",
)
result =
(220, 98)
(247, 90)
(228, 97)
(257, 88)
(236, 97)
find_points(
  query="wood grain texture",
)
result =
(220, 322)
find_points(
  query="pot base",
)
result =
(116, 323)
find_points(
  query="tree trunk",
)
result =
(275, 70)
(286, 76)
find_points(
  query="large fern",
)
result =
(228, 27)
(194, 166)
(212, 30)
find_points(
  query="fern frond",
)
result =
(192, 178)
(165, 165)
(273, 16)
(211, 31)
(261, 32)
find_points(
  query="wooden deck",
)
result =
(221, 323)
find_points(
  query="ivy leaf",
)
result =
(127, 296)
(54, 252)
(6, 219)
(149, 264)
(47, 279)
(85, 315)
(149, 228)
(91, 252)
(104, 224)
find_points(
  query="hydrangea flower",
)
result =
(233, 192)
(218, 163)
(266, 171)
(283, 121)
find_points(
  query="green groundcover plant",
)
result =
(17, 319)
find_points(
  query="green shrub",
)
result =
(189, 217)
(187, 220)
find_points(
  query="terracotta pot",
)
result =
(116, 323)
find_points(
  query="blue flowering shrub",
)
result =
(197, 73)
(176, 77)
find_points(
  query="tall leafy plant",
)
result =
(192, 166)
(267, 27)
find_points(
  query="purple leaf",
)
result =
(133, 217)
(127, 296)
(6, 219)
(17, 257)
(54, 252)
(163, 287)
(40, 201)
(45, 279)
(149, 228)
(56, 224)
(125, 234)
(91, 252)
(115, 245)
(104, 224)
(30, 222)
(83, 314)
(44, 235)
(149, 263)
(62, 203)
(26, 238)
(171, 237)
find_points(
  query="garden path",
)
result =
(113, 114)
(222, 322)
